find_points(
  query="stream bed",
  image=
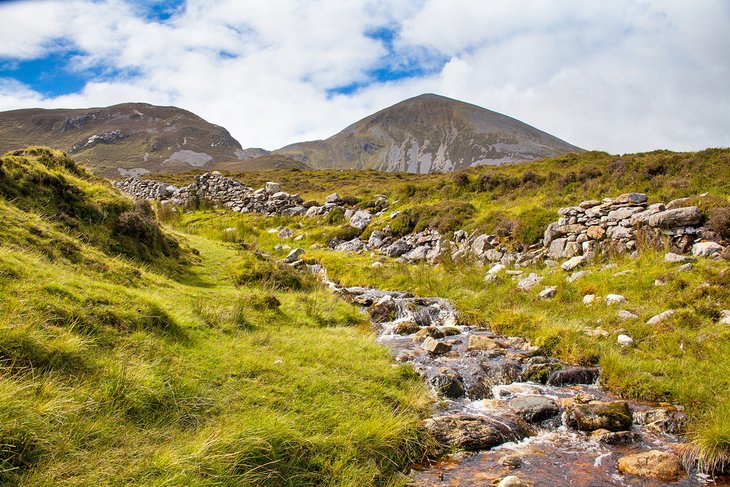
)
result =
(509, 411)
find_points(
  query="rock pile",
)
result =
(617, 224)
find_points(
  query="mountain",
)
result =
(131, 139)
(429, 133)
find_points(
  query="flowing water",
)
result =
(511, 406)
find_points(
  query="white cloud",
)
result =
(621, 76)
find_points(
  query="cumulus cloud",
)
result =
(621, 76)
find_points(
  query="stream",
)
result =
(508, 410)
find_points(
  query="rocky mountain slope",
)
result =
(131, 139)
(426, 134)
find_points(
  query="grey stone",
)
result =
(472, 432)
(573, 262)
(533, 409)
(435, 347)
(707, 249)
(294, 255)
(678, 217)
(361, 219)
(548, 292)
(529, 282)
(656, 319)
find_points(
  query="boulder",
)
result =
(512, 481)
(625, 340)
(611, 416)
(334, 198)
(407, 328)
(448, 384)
(529, 282)
(435, 347)
(557, 247)
(272, 187)
(361, 219)
(678, 217)
(383, 311)
(419, 253)
(707, 249)
(376, 240)
(573, 375)
(655, 464)
(614, 299)
(573, 262)
(533, 409)
(472, 432)
(294, 255)
(354, 245)
(664, 315)
(397, 248)
(630, 198)
(548, 292)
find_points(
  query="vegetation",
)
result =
(232, 370)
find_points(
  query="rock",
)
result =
(397, 248)
(595, 332)
(625, 340)
(678, 217)
(448, 384)
(573, 375)
(633, 198)
(615, 437)
(627, 315)
(491, 278)
(294, 255)
(685, 267)
(673, 258)
(588, 299)
(589, 204)
(611, 416)
(435, 347)
(407, 328)
(334, 198)
(496, 269)
(419, 253)
(471, 432)
(655, 464)
(529, 282)
(656, 319)
(707, 249)
(383, 311)
(513, 272)
(376, 265)
(512, 481)
(481, 343)
(614, 299)
(272, 187)
(429, 331)
(493, 255)
(354, 245)
(663, 420)
(557, 247)
(361, 219)
(595, 232)
(376, 240)
(573, 262)
(285, 233)
(724, 317)
(511, 460)
(548, 292)
(533, 409)
(577, 275)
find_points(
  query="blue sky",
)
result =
(621, 76)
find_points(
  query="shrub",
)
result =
(335, 216)
(719, 221)
(343, 233)
(256, 269)
(531, 225)
(445, 217)
(461, 180)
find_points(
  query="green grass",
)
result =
(112, 373)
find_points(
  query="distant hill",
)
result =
(426, 134)
(131, 139)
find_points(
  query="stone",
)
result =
(511, 460)
(419, 253)
(496, 269)
(663, 420)
(655, 464)
(589, 204)
(406, 328)
(294, 255)
(577, 275)
(548, 293)
(612, 299)
(573, 262)
(707, 249)
(493, 255)
(678, 217)
(588, 299)
(448, 384)
(429, 331)
(491, 278)
(397, 248)
(572, 249)
(513, 272)
(596, 232)
(529, 282)
(573, 375)
(627, 315)
(481, 343)
(435, 347)
(512, 481)
(615, 437)
(383, 311)
(533, 409)
(285, 233)
(472, 432)
(361, 219)
(376, 265)
(632, 198)
(376, 240)
(354, 245)
(480, 245)
(673, 258)
(664, 315)
(334, 198)
(724, 317)
(625, 340)
(557, 247)
(611, 416)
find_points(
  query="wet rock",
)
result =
(407, 328)
(663, 420)
(538, 369)
(655, 464)
(448, 384)
(435, 347)
(511, 460)
(501, 372)
(481, 343)
(471, 432)
(678, 217)
(656, 319)
(573, 262)
(529, 282)
(512, 481)
(615, 437)
(429, 331)
(614, 299)
(611, 416)
(384, 310)
(707, 249)
(294, 255)
(625, 340)
(573, 375)
(548, 293)
(533, 409)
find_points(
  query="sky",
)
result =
(621, 75)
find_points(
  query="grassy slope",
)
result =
(112, 373)
(685, 359)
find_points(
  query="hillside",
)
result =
(429, 133)
(130, 355)
(130, 139)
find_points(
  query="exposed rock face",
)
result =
(660, 465)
